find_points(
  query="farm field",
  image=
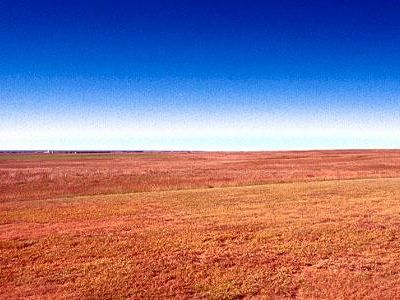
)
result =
(215, 225)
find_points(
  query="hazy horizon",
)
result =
(212, 75)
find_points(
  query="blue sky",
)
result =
(204, 75)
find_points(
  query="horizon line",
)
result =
(80, 151)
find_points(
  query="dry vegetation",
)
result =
(28, 177)
(302, 225)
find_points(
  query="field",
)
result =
(223, 225)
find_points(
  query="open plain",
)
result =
(217, 225)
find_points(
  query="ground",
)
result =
(318, 224)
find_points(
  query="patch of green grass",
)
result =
(73, 156)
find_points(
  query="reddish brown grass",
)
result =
(315, 239)
(43, 176)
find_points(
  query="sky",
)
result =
(199, 75)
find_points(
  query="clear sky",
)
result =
(199, 75)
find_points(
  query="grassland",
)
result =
(322, 224)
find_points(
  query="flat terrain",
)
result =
(316, 224)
